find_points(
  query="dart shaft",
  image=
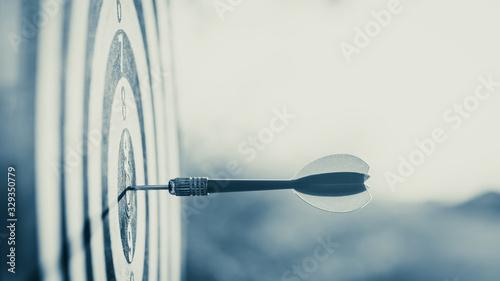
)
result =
(217, 185)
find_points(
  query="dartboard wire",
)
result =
(66, 242)
(105, 212)
(94, 9)
(151, 42)
(142, 25)
(172, 270)
(173, 111)
(88, 222)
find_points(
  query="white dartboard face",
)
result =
(104, 87)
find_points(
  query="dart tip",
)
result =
(147, 187)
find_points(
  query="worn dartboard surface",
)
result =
(104, 87)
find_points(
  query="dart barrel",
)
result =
(189, 186)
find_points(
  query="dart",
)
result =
(334, 183)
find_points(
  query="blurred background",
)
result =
(237, 66)
(376, 79)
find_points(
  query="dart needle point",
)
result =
(147, 187)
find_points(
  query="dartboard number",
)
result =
(124, 104)
(119, 10)
(120, 39)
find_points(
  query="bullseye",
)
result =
(127, 208)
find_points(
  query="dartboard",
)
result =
(105, 120)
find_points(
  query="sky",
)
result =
(412, 89)
(241, 64)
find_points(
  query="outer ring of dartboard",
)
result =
(115, 17)
(66, 212)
